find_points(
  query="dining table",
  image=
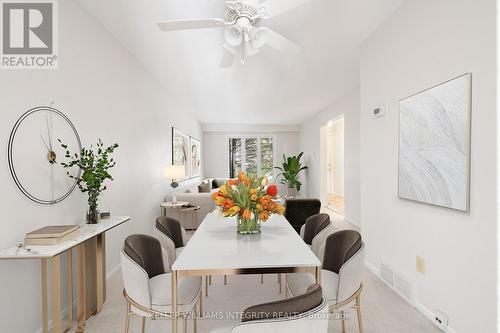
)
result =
(217, 249)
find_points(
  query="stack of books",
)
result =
(51, 235)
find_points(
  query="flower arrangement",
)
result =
(250, 200)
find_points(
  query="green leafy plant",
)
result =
(95, 165)
(289, 171)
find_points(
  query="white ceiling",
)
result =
(270, 88)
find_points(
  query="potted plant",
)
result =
(289, 171)
(95, 165)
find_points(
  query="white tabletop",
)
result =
(86, 231)
(216, 245)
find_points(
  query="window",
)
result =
(254, 155)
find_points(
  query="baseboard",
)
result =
(354, 223)
(112, 272)
(418, 306)
(64, 311)
(430, 315)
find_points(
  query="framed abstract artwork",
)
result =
(434, 145)
(195, 157)
(180, 150)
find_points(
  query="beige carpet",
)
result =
(383, 311)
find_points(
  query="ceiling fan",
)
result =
(244, 34)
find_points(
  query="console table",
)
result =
(91, 267)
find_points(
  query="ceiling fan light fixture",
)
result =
(233, 35)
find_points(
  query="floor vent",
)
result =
(387, 274)
(397, 282)
(403, 287)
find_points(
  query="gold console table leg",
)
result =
(69, 288)
(45, 312)
(81, 289)
(100, 270)
(55, 265)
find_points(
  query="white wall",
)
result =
(107, 95)
(310, 143)
(424, 43)
(216, 145)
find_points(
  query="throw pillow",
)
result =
(218, 182)
(204, 187)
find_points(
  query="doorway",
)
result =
(333, 136)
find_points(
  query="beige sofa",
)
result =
(192, 220)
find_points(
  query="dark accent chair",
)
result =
(298, 210)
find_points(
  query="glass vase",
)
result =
(92, 216)
(248, 226)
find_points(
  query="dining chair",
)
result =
(341, 273)
(147, 280)
(301, 314)
(172, 236)
(314, 233)
(298, 210)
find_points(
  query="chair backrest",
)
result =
(314, 225)
(344, 255)
(298, 210)
(141, 259)
(303, 313)
(146, 252)
(172, 228)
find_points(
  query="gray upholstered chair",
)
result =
(298, 210)
(304, 313)
(145, 266)
(343, 262)
(314, 233)
(172, 237)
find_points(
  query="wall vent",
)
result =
(387, 274)
(403, 287)
(398, 282)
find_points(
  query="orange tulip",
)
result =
(264, 216)
(247, 214)
(228, 203)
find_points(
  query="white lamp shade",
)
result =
(174, 171)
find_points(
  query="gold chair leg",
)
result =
(358, 311)
(143, 324)
(127, 318)
(210, 280)
(206, 286)
(342, 315)
(201, 306)
(184, 323)
(225, 279)
(195, 316)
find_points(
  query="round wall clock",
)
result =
(34, 153)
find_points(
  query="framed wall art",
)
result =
(434, 145)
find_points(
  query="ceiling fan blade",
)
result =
(280, 43)
(228, 56)
(190, 24)
(277, 7)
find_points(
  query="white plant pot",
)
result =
(291, 192)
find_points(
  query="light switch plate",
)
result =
(420, 264)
